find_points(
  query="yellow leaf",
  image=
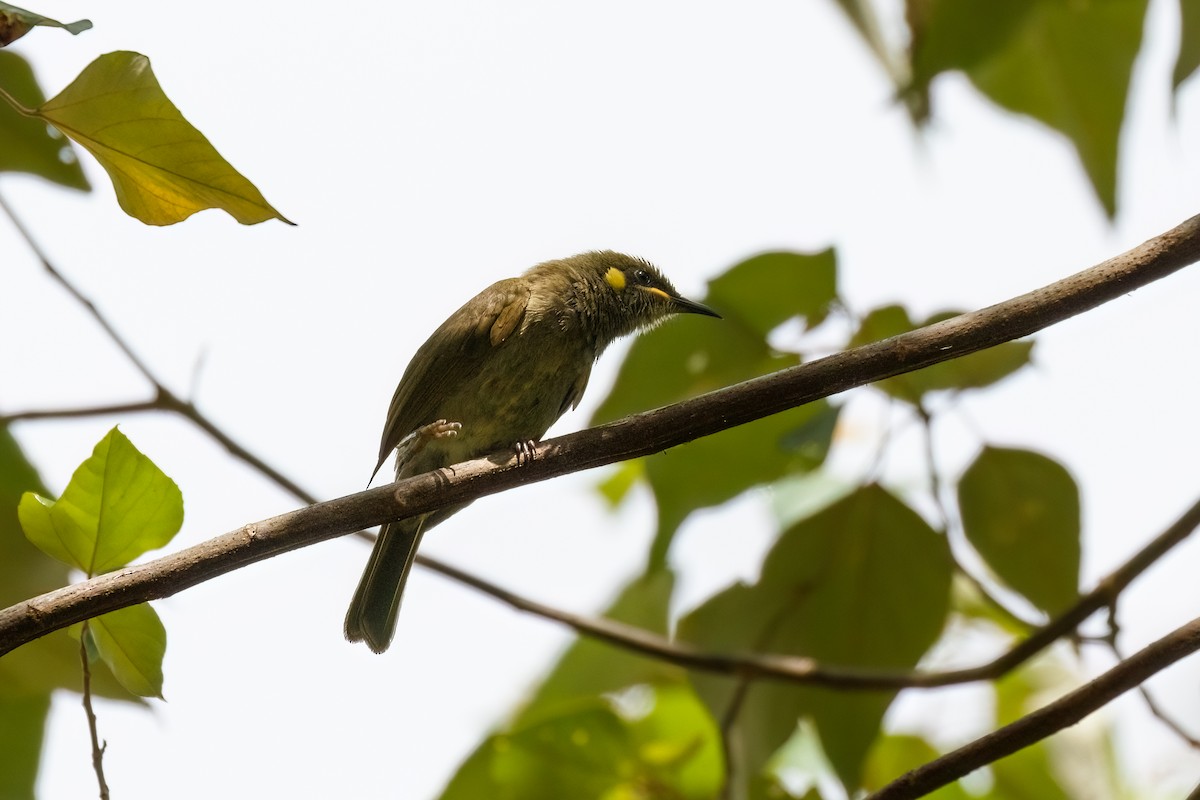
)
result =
(162, 168)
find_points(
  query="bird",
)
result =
(497, 374)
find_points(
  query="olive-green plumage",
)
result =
(497, 374)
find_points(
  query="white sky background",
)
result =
(428, 149)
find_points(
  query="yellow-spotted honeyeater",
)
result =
(497, 374)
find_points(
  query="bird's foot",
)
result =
(415, 442)
(439, 430)
(525, 451)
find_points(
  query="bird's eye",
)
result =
(642, 277)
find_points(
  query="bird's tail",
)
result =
(376, 603)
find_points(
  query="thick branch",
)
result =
(1062, 713)
(638, 435)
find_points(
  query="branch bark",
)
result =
(631, 437)
(1062, 713)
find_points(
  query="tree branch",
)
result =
(807, 671)
(1062, 713)
(631, 437)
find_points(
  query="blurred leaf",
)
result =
(1020, 511)
(132, 642)
(767, 290)
(717, 468)
(968, 600)
(590, 668)
(581, 753)
(862, 15)
(590, 750)
(21, 738)
(863, 583)
(16, 22)
(117, 506)
(621, 480)
(893, 755)
(28, 144)
(679, 742)
(974, 371)
(1189, 41)
(1028, 772)
(1066, 64)
(162, 168)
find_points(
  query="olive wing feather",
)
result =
(452, 357)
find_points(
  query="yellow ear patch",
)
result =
(615, 278)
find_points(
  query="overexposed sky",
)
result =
(427, 150)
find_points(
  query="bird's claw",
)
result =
(525, 450)
(415, 442)
(439, 430)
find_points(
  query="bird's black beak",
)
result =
(685, 306)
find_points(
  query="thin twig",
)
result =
(1166, 719)
(164, 398)
(1155, 709)
(134, 407)
(108, 329)
(935, 490)
(97, 748)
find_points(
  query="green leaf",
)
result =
(863, 583)
(717, 468)
(16, 22)
(588, 749)
(1028, 772)
(590, 668)
(621, 480)
(117, 506)
(1020, 511)
(21, 742)
(678, 742)
(1189, 41)
(974, 371)
(1065, 64)
(51, 662)
(31, 672)
(27, 144)
(162, 168)
(132, 642)
(767, 290)
(893, 755)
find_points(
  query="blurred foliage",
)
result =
(1020, 510)
(29, 145)
(856, 577)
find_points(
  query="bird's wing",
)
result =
(576, 392)
(461, 344)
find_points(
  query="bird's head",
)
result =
(626, 294)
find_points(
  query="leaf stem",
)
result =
(16, 106)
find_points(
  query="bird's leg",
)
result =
(416, 441)
(525, 451)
